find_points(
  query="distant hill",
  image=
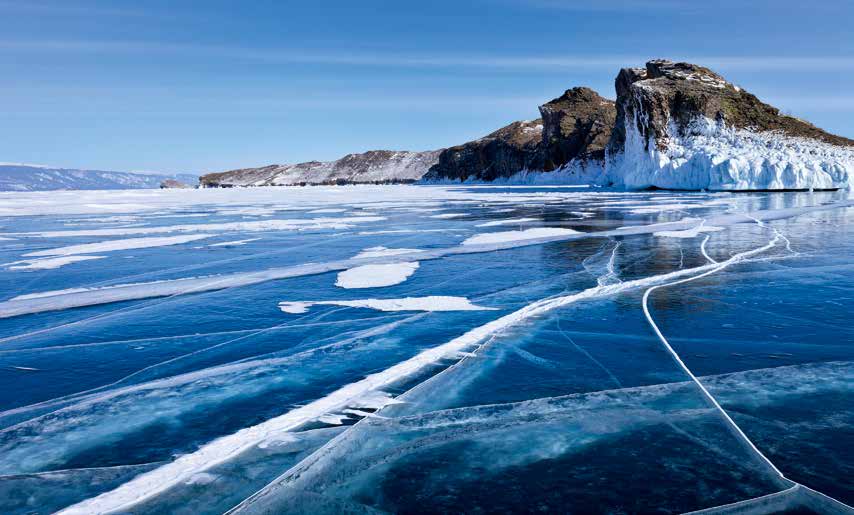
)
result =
(23, 177)
(372, 167)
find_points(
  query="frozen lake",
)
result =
(424, 349)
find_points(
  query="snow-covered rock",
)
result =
(572, 131)
(682, 126)
(673, 126)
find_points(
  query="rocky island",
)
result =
(673, 126)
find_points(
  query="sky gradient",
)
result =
(210, 85)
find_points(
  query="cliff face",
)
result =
(574, 127)
(499, 154)
(682, 126)
(372, 167)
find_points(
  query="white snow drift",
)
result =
(431, 303)
(376, 276)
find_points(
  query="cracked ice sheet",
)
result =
(547, 452)
(506, 241)
(432, 303)
(223, 449)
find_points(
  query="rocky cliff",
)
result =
(372, 167)
(499, 154)
(683, 126)
(673, 125)
(573, 128)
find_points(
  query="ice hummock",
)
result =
(707, 155)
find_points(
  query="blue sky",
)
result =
(210, 85)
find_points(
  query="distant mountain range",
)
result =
(24, 177)
(673, 126)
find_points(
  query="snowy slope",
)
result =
(22, 177)
(375, 166)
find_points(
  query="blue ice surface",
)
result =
(121, 388)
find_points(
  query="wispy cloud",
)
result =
(609, 6)
(412, 60)
(66, 9)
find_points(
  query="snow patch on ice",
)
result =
(688, 233)
(509, 221)
(511, 236)
(234, 243)
(431, 303)
(253, 226)
(381, 251)
(376, 276)
(49, 263)
(327, 210)
(114, 245)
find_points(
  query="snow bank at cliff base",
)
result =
(708, 155)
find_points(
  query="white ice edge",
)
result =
(107, 295)
(152, 483)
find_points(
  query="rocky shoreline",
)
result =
(673, 125)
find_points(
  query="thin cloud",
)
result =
(66, 9)
(398, 60)
(610, 6)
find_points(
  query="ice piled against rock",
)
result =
(683, 126)
(674, 126)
